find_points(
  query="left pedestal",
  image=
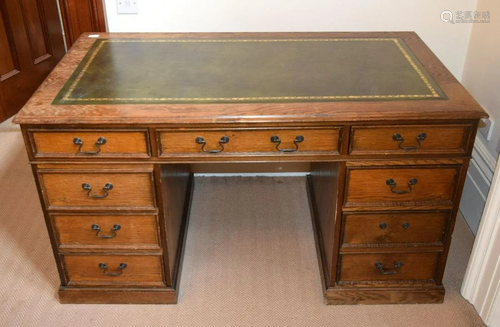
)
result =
(117, 230)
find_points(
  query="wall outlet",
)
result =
(487, 128)
(128, 6)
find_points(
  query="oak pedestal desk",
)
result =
(386, 127)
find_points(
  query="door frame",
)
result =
(481, 285)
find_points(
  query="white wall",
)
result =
(448, 41)
(481, 77)
(481, 74)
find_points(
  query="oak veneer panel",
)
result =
(136, 231)
(324, 184)
(315, 140)
(265, 167)
(349, 273)
(361, 267)
(82, 166)
(141, 270)
(60, 143)
(379, 295)
(405, 161)
(441, 139)
(130, 190)
(108, 295)
(369, 186)
(460, 105)
(365, 229)
(174, 187)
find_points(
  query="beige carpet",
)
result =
(250, 261)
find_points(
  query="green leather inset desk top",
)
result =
(142, 71)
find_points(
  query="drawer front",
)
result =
(91, 190)
(401, 186)
(421, 139)
(109, 270)
(104, 232)
(293, 141)
(387, 228)
(91, 144)
(416, 267)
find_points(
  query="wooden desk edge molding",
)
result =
(389, 144)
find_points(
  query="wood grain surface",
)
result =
(438, 139)
(75, 232)
(315, 140)
(350, 145)
(392, 228)
(141, 270)
(130, 190)
(361, 267)
(460, 104)
(369, 186)
(118, 144)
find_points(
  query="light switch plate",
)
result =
(128, 6)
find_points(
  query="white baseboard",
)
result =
(484, 160)
(477, 185)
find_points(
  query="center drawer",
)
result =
(96, 188)
(193, 142)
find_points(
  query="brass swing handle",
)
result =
(104, 267)
(393, 185)
(223, 140)
(100, 141)
(383, 271)
(107, 187)
(276, 139)
(398, 138)
(97, 228)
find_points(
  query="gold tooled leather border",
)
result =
(65, 94)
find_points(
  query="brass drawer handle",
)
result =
(383, 271)
(404, 225)
(276, 139)
(107, 187)
(398, 138)
(393, 185)
(223, 140)
(104, 267)
(97, 228)
(100, 141)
